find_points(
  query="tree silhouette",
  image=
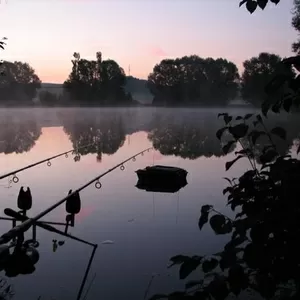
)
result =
(104, 136)
(18, 136)
(188, 140)
(20, 83)
(96, 82)
(193, 80)
(262, 254)
(258, 72)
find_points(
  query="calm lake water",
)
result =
(144, 229)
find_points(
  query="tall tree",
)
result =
(20, 83)
(193, 80)
(96, 81)
(258, 72)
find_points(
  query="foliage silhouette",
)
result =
(192, 80)
(262, 254)
(258, 71)
(96, 82)
(18, 136)
(106, 135)
(19, 85)
(252, 5)
(191, 139)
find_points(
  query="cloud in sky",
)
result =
(157, 51)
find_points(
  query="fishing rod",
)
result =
(5, 238)
(19, 217)
(15, 179)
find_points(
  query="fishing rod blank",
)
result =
(5, 238)
(16, 179)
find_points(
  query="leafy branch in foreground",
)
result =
(262, 254)
(252, 5)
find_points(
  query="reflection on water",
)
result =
(137, 231)
(20, 256)
(18, 135)
(105, 134)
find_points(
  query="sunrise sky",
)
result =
(139, 33)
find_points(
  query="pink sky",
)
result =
(139, 33)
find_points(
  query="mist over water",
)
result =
(145, 228)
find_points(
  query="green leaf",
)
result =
(192, 283)
(239, 131)
(209, 265)
(265, 107)
(276, 107)
(228, 146)
(267, 147)
(234, 242)
(237, 279)
(269, 156)
(178, 259)
(206, 208)
(220, 132)
(227, 179)
(220, 225)
(203, 220)
(244, 152)
(248, 116)
(228, 189)
(228, 259)
(279, 131)
(189, 266)
(218, 288)
(262, 3)
(227, 119)
(222, 114)
(259, 118)
(251, 6)
(229, 164)
(255, 134)
(243, 2)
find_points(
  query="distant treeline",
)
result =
(185, 81)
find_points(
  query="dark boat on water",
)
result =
(162, 179)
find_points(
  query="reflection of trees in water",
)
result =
(18, 135)
(195, 138)
(104, 136)
(185, 138)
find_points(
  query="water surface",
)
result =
(145, 228)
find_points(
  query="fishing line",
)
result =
(15, 178)
(28, 223)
